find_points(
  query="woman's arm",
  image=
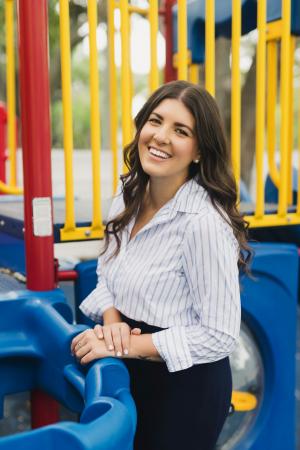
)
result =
(111, 315)
(142, 347)
(210, 255)
(100, 299)
(115, 332)
(87, 347)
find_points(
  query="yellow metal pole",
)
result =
(298, 182)
(194, 73)
(125, 74)
(153, 19)
(11, 94)
(12, 190)
(291, 122)
(113, 108)
(67, 112)
(271, 220)
(182, 40)
(210, 46)
(284, 103)
(236, 92)
(138, 10)
(95, 115)
(132, 81)
(260, 106)
(271, 109)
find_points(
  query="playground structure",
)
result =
(269, 305)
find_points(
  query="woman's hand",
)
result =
(116, 336)
(87, 347)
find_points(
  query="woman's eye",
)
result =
(154, 120)
(181, 131)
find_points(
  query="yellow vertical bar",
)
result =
(210, 46)
(260, 106)
(113, 108)
(67, 110)
(291, 122)
(153, 19)
(298, 142)
(11, 93)
(236, 92)
(182, 40)
(284, 103)
(95, 115)
(125, 74)
(194, 73)
(132, 80)
(271, 109)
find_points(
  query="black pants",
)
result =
(178, 410)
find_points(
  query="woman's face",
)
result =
(167, 143)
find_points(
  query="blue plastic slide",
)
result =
(35, 336)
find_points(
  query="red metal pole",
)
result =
(3, 128)
(170, 71)
(67, 275)
(36, 141)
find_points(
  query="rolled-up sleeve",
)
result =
(99, 300)
(210, 253)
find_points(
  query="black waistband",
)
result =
(145, 327)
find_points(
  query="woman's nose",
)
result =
(162, 136)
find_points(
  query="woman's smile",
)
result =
(158, 154)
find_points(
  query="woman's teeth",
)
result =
(158, 153)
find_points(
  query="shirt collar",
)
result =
(189, 198)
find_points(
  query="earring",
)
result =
(196, 161)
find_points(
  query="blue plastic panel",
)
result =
(223, 13)
(85, 283)
(270, 310)
(12, 253)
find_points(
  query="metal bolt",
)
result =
(87, 232)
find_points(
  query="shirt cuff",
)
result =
(172, 346)
(97, 302)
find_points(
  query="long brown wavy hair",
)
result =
(213, 171)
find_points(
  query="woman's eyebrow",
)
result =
(178, 124)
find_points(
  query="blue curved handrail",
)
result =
(35, 352)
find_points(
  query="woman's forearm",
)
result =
(111, 315)
(142, 347)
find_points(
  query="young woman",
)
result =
(168, 286)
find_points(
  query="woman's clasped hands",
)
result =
(103, 341)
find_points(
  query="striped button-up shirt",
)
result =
(179, 272)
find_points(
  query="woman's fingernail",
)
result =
(125, 351)
(110, 347)
(119, 354)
